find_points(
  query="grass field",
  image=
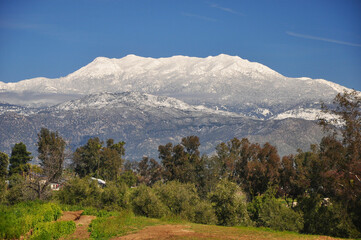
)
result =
(19, 219)
(117, 227)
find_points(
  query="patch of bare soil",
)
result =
(162, 232)
(82, 222)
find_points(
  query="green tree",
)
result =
(263, 171)
(111, 160)
(149, 170)
(342, 154)
(268, 211)
(229, 205)
(146, 203)
(301, 175)
(87, 158)
(182, 162)
(98, 161)
(4, 162)
(19, 159)
(51, 147)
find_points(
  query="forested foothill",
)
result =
(243, 183)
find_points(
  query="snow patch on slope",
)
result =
(106, 99)
(304, 113)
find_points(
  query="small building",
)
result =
(101, 183)
(55, 186)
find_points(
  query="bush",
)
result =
(146, 203)
(327, 218)
(52, 230)
(80, 191)
(180, 198)
(228, 204)
(115, 196)
(267, 211)
(15, 194)
(204, 213)
(18, 219)
(128, 177)
(3, 190)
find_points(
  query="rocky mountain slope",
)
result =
(145, 121)
(147, 102)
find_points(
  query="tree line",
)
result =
(317, 192)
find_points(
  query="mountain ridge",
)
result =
(145, 126)
(223, 82)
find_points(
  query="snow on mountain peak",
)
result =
(214, 81)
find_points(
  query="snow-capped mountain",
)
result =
(147, 102)
(222, 82)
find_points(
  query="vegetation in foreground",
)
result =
(244, 184)
(19, 219)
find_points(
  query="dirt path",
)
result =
(82, 222)
(163, 232)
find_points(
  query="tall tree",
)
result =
(149, 170)
(234, 157)
(98, 161)
(111, 160)
(4, 162)
(342, 154)
(51, 147)
(263, 171)
(182, 162)
(19, 159)
(87, 158)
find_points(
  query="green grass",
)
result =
(248, 233)
(126, 222)
(18, 219)
(52, 230)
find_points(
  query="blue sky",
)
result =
(308, 38)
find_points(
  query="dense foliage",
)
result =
(18, 219)
(244, 183)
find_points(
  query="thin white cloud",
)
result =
(20, 26)
(199, 17)
(225, 9)
(322, 39)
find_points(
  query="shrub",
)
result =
(267, 211)
(18, 219)
(115, 196)
(326, 218)
(52, 230)
(128, 177)
(80, 191)
(146, 203)
(15, 194)
(3, 190)
(180, 198)
(204, 213)
(228, 204)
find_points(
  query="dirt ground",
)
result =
(167, 232)
(82, 222)
(163, 232)
(160, 232)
